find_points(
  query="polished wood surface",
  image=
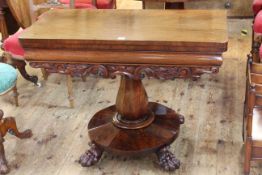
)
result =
(149, 30)
(133, 142)
(130, 91)
(126, 35)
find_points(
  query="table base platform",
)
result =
(161, 132)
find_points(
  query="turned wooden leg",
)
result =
(15, 95)
(91, 156)
(70, 90)
(83, 78)
(255, 52)
(248, 148)
(243, 122)
(44, 73)
(20, 65)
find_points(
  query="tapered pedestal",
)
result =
(133, 127)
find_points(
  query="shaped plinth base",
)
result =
(105, 135)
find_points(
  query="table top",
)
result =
(137, 30)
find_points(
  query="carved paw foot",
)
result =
(3, 167)
(91, 156)
(167, 159)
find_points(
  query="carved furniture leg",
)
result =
(20, 65)
(15, 95)
(133, 126)
(248, 147)
(83, 78)
(167, 160)
(70, 90)
(255, 52)
(91, 156)
(8, 124)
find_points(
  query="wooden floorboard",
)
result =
(210, 141)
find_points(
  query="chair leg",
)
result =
(20, 65)
(44, 73)
(15, 95)
(248, 148)
(84, 78)
(255, 52)
(70, 90)
(8, 124)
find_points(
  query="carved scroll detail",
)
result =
(165, 72)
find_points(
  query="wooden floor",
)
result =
(210, 142)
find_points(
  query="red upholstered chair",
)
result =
(100, 4)
(257, 37)
(257, 6)
(257, 31)
(13, 50)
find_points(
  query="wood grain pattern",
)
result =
(154, 28)
(140, 57)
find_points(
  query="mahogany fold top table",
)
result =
(132, 44)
